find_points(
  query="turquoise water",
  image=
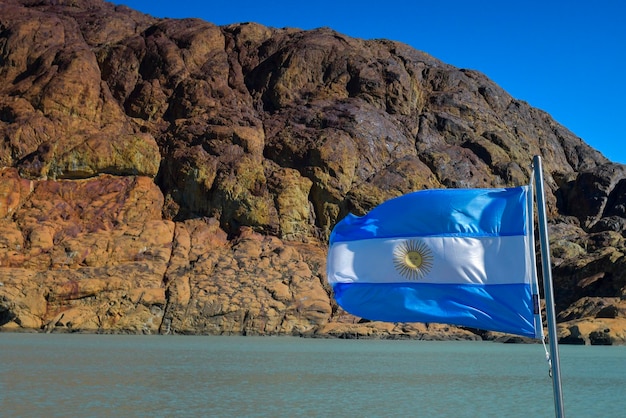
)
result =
(76, 375)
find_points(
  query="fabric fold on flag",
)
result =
(456, 256)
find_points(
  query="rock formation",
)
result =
(174, 176)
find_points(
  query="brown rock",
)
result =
(593, 332)
(13, 191)
(594, 194)
(51, 88)
(173, 176)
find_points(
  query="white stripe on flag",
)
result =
(442, 260)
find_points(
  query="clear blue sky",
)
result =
(566, 57)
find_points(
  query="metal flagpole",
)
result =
(548, 289)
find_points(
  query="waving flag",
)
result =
(455, 256)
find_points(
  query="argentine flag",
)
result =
(456, 256)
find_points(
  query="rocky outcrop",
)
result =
(173, 176)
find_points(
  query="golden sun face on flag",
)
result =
(412, 259)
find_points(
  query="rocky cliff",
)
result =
(174, 176)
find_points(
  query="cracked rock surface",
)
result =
(174, 176)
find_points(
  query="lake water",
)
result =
(77, 375)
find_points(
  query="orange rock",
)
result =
(174, 176)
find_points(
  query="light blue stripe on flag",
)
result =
(457, 256)
(466, 212)
(504, 308)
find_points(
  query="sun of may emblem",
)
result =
(412, 259)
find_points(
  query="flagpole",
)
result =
(555, 367)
